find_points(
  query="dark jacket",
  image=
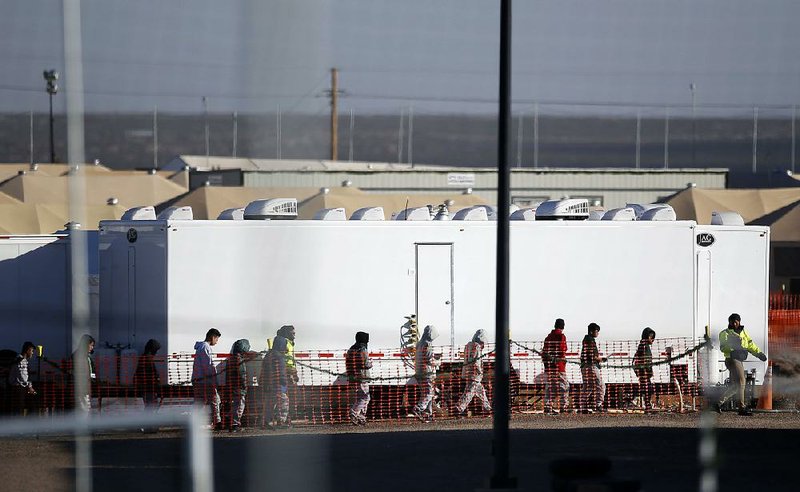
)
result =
(236, 368)
(357, 359)
(273, 368)
(555, 351)
(643, 360)
(589, 352)
(146, 378)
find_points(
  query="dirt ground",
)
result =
(648, 448)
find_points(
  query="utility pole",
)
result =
(51, 76)
(235, 132)
(410, 135)
(205, 119)
(278, 136)
(400, 137)
(155, 137)
(32, 141)
(666, 137)
(638, 138)
(350, 134)
(535, 135)
(693, 88)
(794, 117)
(334, 114)
(519, 141)
(755, 138)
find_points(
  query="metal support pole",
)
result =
(638, 138)
(666, 137)
(794, 117)
(692, 88)
(755, 139)
(155, 137)
(410, 151)
(278, 130)
(52, 145)
(352, 125)
(535, 135)
(519, 141)
(400, 137)
(235, 133)
(501, 478)
(31, 131)
(205, 120)
(334, 114)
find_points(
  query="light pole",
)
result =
(692, 88)
(50, 76)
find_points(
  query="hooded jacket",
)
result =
(737, 345)
(273, 368)
(358, 363)
(555, 350)
(146, 378)
(203, 370)
(472, 369)
(236, 369)
(425, 364)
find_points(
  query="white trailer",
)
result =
(174, 279)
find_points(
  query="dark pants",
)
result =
(736, 387)
(21, 400)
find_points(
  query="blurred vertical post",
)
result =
(334, 114)
(400, 137)
(155, 137)
(77, 197)
(794, 117)
(519, 141)
(352, 125)
(638, 137)
(755, 139)
(693, 88)
(31, 130)
(535, 135)
(666, 137)
(235, 133)
(278, 136)
(500, 478)
(205, 124)
(410, 135)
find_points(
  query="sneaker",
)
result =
(362, 421)
(354, 420)
(418, 415)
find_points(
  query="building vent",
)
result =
(331, 214)
(442, 213)
(139, 213)
(664, 212)
(620, 214)
(472, 213)
(726, 218)
(524, 214)
(176, 213)
(271, 209)
(569, 209)
(416, 213)
(231, 214)
(368, 213)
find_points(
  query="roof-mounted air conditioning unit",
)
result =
(176, 213)
(569, 209)
(139, 213)
(620, 214)
(523, 214)
(231, 214)
(664, 212)
(368, 213)
(472, 213)
(416, 213)
(331, 214)
(271, 209)
(726, 218)
(640, 208)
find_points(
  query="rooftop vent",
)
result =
(139, 213)
(331, 214)
(472, 213)
(368, 213)
(640, 208)
(231, 214)
(596, 215)
(112, 201)
(416, 213)
(176, 213)
(664, 212)
(726, 218)
(442, 213)
(569, 209)
(151, 172)
(271, 209)
(524, 214)
(620, 214)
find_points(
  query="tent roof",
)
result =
(697, 204)
(26, 218)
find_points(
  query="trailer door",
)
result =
(435, 288)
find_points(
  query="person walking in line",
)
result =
(425, 365)
(472, 373)
(276, 381)
(554, 354)
(643, 366)
(83, 372)
(236, 373)
(735, 343)
(22, 391)
(358, 366)
(146, 379)
(204, 376)
(593, 387)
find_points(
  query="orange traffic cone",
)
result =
(765, 399)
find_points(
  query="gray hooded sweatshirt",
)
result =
(424, 362)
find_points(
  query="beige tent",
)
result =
(697, 204)
(25, 218)
(142, 189)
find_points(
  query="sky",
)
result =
(433, 56)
